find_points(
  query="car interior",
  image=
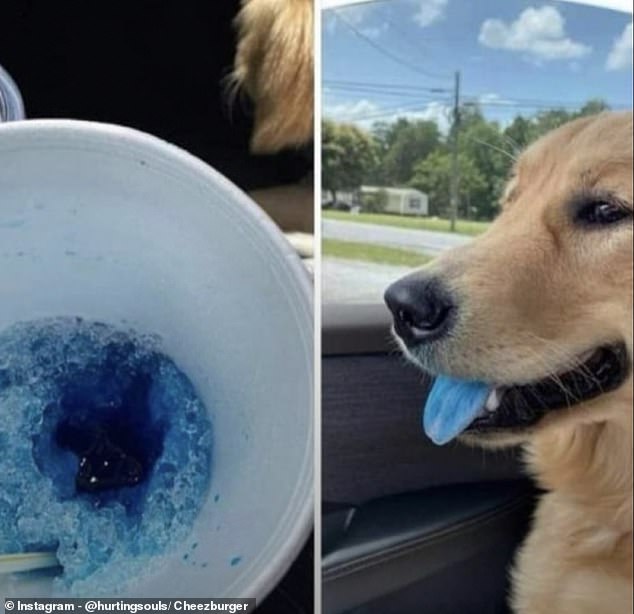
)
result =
(406, 526)
(105, 61)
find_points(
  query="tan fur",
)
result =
(274, 66)
(536, 292)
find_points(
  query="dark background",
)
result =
(158, 67)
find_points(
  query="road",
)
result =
(354, 281)
(426, 241)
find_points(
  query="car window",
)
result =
(426, 103)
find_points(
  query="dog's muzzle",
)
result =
(422, 308)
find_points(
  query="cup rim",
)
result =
(11, 103)
(298, 532)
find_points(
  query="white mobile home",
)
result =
(345, 198)
(404, 201)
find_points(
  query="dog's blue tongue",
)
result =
(451, 407)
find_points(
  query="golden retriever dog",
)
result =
(274, 67)
(531, 323)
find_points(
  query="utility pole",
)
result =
(454, 188)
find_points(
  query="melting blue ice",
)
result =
(106, 451)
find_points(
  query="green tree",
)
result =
(592, 107)
(402, 145)
(376, 202)
(520, 132)
(406, 152)
(524, 131)
(349, 155)
(433, 176)
(483, 143)
(545, 121)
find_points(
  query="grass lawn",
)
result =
(464, 227)
(367, 252)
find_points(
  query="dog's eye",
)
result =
(602, 213)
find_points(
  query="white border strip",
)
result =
(623, 6)
(318, 298)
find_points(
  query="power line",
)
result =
(396, 109)
(390, 111)
(548, 106)
(386, 112)
(378, 93)
(395, 86)
(471, 99)
(414, 43)
(425, 100)
(454, 188)
(385, 52)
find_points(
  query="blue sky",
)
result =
(509, 52)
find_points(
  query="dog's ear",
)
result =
(274, 66)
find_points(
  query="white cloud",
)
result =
(350, 111)
(374, 31)
(436, 112)
(538, 32)
(492, 97)
(620, 56)
(430, 11)
(360, 16)
(365, 112)
(357, 14)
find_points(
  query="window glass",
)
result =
(423, 99)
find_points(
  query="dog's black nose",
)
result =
(422, 308)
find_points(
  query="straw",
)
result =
(27, 561)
